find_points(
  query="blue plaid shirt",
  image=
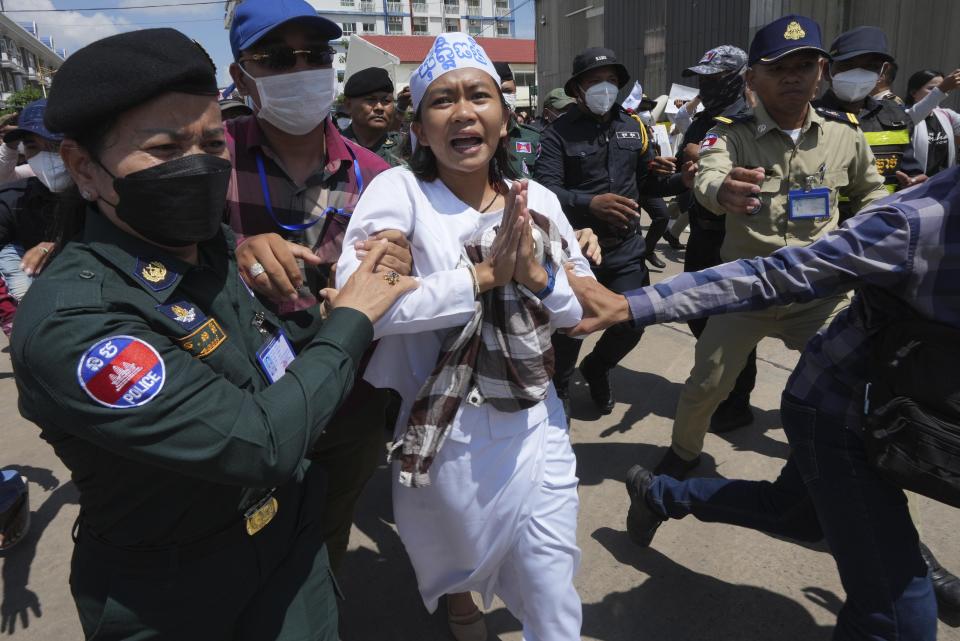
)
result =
(907, 244)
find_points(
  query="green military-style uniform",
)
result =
(151, 378)
(523, 144)
(390, 147)
(887, 129)
(830, 158)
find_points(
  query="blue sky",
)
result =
(73, 29)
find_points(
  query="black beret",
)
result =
(109, 76)
(366, 81)
(504, 71)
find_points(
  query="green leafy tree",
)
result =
(20, 99)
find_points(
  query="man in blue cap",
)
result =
(777, 175)
(859, 58)
(27, 206)
(296, 180)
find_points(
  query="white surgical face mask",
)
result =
(49, 168)
(600, 97)
(343, 123)
(854, 85)
(296, 102)
(511, 100)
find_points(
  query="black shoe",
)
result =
(601, 390)
(655, 261)
(945, 585)
(728, 419)
(672, 465)
(642, 522)
(673, 241)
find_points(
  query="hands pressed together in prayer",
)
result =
(513, 254)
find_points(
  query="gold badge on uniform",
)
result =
(204, 340)
(154, 271)
(258, 516)
(154, 274)
(794, 31)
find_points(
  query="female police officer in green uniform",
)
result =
(182, 407)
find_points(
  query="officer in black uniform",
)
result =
(720, 77)
(181, 405)
(859, 58)
(596, 160)
(368, 100)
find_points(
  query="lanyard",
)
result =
(326, 212)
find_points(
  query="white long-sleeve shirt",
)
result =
(9, 169)
(438, 224)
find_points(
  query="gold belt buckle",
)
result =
(258, 516)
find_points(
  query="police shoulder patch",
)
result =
(121, 372)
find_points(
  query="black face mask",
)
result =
(176, 203)
(721, 91)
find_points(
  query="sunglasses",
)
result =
(280, 58)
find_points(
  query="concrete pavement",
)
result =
(699, 582)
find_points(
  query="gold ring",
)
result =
(392, 278)
(44, 250)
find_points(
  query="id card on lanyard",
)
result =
(810, 202)
(276, 355)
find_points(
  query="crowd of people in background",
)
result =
(238, 297)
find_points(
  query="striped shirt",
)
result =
(907, 244)
(333, 185)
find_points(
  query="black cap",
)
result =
(859, 41)
(109, 76)
(784, 36)
(504, 71)
(591, 59)
(366, 81)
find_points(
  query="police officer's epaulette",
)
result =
(839, 116)
(732, 119)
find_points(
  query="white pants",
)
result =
(500, 518)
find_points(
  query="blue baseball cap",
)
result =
(253, 19)
(784, 36)
(859, 41)
(31, 122)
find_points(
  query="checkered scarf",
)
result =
(502, 356)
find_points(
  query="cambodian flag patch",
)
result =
(121, 372)
(524, 147)
(709, 141)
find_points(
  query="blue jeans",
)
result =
(17, 281)
(827, 489)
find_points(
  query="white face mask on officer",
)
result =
(296, 102)
(601, 97)
(50, 170)
(855, 84)
(511, 100)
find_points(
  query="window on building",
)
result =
(349, 28)
(420, 27)
(451, 25)
(473, 7)
(340, 75)
(474, 27)
(502, 7)
(503, 29)
(395, 7)
(419, 7)
(369, 27)
(366, 6)
(346, 3)
(451, 6)
(394, 24)
(525, 78)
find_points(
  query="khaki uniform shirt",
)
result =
(833, 151)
